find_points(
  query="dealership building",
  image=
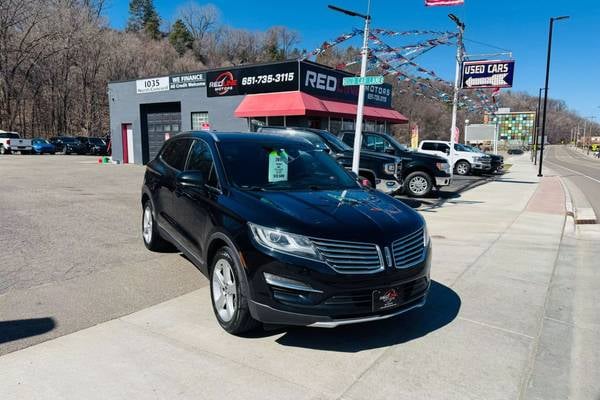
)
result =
(145, 112)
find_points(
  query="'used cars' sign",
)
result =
(487, 74)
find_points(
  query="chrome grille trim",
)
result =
(350, 257)
(408, 250)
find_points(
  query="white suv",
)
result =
(465, 160)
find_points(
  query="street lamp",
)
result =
(536, 129)
(552, 19)
(361, 88)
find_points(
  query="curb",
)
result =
(581, 215)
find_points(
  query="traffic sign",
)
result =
(367, 80)
(487, 74)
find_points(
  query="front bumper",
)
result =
(482, 166)
(337, 299)
(387, 185)
(443, 180)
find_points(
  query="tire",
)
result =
(3, 150)
(152, 239)
(418, 184)
(462, 167)
(230, 305)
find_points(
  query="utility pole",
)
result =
(552, 19)
(459, 60)
(361, 88)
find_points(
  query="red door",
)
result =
(124, 128)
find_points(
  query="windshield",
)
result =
(96, 140)
(40, 141)
(282, 166)
(335, 142)
(69, 140)
(462, 147)
(397, 143)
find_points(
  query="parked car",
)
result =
(68, 145)
(41, 146)
(11, 142)
(420, 172)
(515, 150)
(465, 161)
(93, 145)
(497, 161)
(285, 234)
(381, 170)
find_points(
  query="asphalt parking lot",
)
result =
(72, 254)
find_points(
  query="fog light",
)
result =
(287, 283)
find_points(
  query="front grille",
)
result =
(350, 257)
(407, 291)
(409, 250)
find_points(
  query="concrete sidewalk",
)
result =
(495, 249)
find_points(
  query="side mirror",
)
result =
(192, 179)
(447, 151)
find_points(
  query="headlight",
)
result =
(284, 242)
(390, 168)
(478, 159)
(443, 166)
(426, 237)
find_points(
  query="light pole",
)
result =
(361, 88)
(459, 59)
(552, 19)
(587, 142)
(536, 129)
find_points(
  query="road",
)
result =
(580, 169)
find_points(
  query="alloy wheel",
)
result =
(418, 185)
(147, 225)
(224, 290)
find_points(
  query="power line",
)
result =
(486, 44)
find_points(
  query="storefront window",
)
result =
(335, 125)
(381, 126)
(347, 124)
(276, 121)
(370, 126)
(198, 118)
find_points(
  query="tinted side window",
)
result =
(201, 160)
(348, 139)
(429, 146)
(176, 153)
(443, 147)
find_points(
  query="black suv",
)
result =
(381, 170)
(93, 145)
(284, 233)
(68, 145)
(420, 172)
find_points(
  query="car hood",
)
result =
(351, 215)
(415, 155)
(374, 156)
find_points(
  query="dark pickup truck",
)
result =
(382, 170)
(420, 172)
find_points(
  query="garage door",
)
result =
(159, 125)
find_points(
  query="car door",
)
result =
(172, 160)
(193, 206)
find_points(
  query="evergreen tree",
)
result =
(143, 17)
(180, 37)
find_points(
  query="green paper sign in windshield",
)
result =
(278, 166)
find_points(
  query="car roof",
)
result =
(237, 137)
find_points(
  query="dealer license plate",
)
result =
(385, 299)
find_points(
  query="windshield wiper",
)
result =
(253, 188)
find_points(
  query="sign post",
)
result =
(487, 74)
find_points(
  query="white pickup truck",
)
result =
(465, 160)
(11, 142)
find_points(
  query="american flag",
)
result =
(434, 3)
